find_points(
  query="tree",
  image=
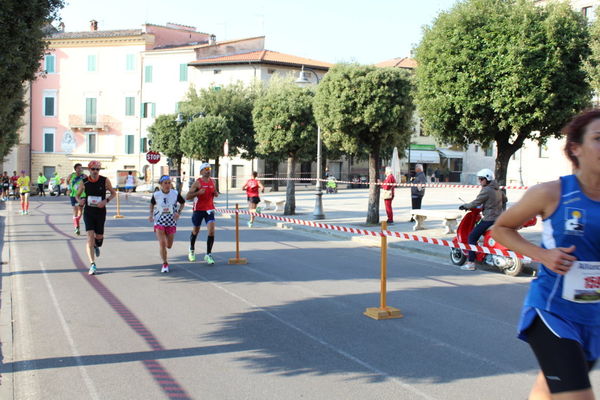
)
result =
(165, 136)
(285, 124)
(203, 138)
(365, 109)
(592, 64)
(502, 71)
(23, 25)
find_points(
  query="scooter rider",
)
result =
(493, 201)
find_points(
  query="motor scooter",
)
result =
(511, 266)
(331, 185)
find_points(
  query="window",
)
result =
(476, 148)
(177, 107)
(90, 142)
(148, 74)
(129, 62)
(216, 71)
(129, 144)
(143, 145)
(148, 110)
(49, 105)
(270, 71)
(183, 72)
(90, 111)
(49, 140)
(129, 106)
(50, 63)
(587, 11)
(543, 151)
(91, 63)
(489, 151)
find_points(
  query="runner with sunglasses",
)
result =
(164, 212)
(203, 192)
(94, 211)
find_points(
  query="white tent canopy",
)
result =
(451, 153)
(423, 156)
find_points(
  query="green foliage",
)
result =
(165, 135)
(592, 65)
(284, 121)
(203, 138)
(503, 71)
(22, 46)
(234, 103)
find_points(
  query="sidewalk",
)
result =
(348, 208)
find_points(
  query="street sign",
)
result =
(153, 156)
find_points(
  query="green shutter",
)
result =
(129, 106)
(50, 61)
(148, 74)
(129, 62)
(90, 111)
(183, 73)
(153, 110)
(91, 63)
(49, 106)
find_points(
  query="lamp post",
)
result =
(318, 211)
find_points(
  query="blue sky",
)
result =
(332, 31)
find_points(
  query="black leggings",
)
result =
(562, 361)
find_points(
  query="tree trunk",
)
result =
(290, 195)
(273, 165)
(373, 210)
(505, 151)
(178, 183)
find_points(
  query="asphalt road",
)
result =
(288, 325)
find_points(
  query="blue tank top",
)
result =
(575, 222)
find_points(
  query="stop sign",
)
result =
(153, 156)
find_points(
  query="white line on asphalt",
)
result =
(315, 338)
(86, 377)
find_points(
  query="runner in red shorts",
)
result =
(166, 205)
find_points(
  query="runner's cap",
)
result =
(204, 166)
(164, 178)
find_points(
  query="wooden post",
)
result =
(383, 311)
(118, 207)
(237, 259)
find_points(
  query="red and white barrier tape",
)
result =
(365, 232)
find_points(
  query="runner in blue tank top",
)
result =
(561, 316)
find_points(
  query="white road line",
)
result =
(315, 338)
(86, 377)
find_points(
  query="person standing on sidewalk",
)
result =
(252, 186)
(41, 181)
(387, 190)
(94, 212)
(203, 193)
(417, 193)
(73, 182)
(24, 183)
(560, 318)
(166, 206)
(15, 186)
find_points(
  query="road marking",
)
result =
(315, 338)
(63, 322)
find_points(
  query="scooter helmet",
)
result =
(486, 173)
(94, 164)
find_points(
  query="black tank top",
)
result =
(95, 189)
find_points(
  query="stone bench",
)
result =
(450, 218)
(276, 201)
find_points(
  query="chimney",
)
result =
(93, 25)
(61, 27)
(212, 40)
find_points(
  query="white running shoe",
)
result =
(191, 255)
(165, 268)
(92, 270)
(468, 267)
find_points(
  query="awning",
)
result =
(424, 156)
(451, 153)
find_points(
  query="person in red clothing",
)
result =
(252, 186)
(203, 192)
(13, 183)
(388, 193)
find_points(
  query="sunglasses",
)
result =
(94, 169)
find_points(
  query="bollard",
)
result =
(383, 311)
(237, 259)
(118, 207)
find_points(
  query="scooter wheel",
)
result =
(514, 266)
(457, 257)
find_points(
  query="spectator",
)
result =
(417, 193)
(387, 190)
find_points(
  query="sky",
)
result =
(327, 30)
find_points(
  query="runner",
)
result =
(252, 186)
(73, 182)
(165, 216)
(23, 183)
(561, 316)
(55, 179)
(129, 184)
(203, 192)
(94, 212)
(41, 181)
(5, 185)
(15, 187)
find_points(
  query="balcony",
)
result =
(103, 123)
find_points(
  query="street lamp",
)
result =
(318, 211)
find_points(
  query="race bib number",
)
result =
(582, 283)
(167, 210)
(93, 201)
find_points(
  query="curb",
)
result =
(6, 316)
